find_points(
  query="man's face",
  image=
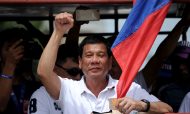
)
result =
(67, 67)
(95, 62)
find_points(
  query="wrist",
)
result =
(58, 33)
(57, 36)
(8, 69)
(146, 107)
(6, 76)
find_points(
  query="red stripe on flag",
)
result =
(131, 53)
(134, 1)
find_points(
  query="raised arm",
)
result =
(63, 22)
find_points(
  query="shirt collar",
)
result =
(111, 84)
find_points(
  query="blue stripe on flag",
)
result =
(137, 17)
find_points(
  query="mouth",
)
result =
(95, 69)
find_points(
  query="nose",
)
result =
(95, 59)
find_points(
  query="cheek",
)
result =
(84, 63)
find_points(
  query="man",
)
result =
(174, 91)
(92, 92)
(66, 67)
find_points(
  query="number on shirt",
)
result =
(32, 106)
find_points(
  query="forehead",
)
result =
(99, 47)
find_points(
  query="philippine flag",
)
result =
(136, 38)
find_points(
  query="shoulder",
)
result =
(135, 85)
(187, 96)
(40, 92)
(140, 79)
(39, 96)
(70, 85)
(41, 102)
(68, 81)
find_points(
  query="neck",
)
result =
(96, 86)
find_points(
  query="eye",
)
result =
(88, 55)
(101, 54)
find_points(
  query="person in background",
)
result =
(174, 92)
(96, 86)
(66, 67)
(16, 79)
(164, 51)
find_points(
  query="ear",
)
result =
(80, 62)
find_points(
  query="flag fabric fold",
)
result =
(136, 38)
